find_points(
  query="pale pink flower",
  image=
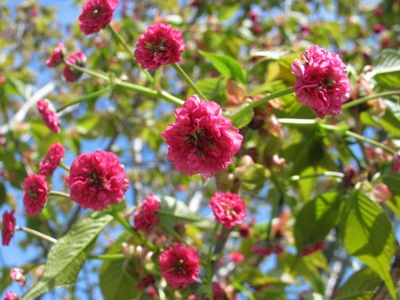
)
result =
(322, 83)
(228, 209)
(236, 257)
(97, 180)
(96, 14)
(57, 56)
(8, 229)
(36, 189)
(49, 115)
(77, 58)
(201, 140)
(145, 217)
(380, 193)
(159, 45)
(180, 265)
(18, 275)
(50, 162)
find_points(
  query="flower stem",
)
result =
(127, 49)
(127, 226)
(64, 166)
(246, 108)
(187, 79)
(108, 257)
(36, 233)
(209, 271)
(365, 99)
(59, 194)
(369, 141)
(88, 71)
(84, 98)
(325, 174)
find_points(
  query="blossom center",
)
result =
(96, 12)
(327, 83)
(156, 48)
(179, 267)
(94, 180)
(201, 141)
(228, 209)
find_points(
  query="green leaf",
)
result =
(226, 66)
(88, 123)
(392, 180)
(315, 220)
(213, 88)
(244, 119)
(171, 207)
(360, 286)
(368, 235)
(68, 255)
(254, 177)
(387, 68)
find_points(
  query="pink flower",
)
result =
(57, 57)
(381, 193)
(159, 45)
(77, 58)
(18, 275)
(8, 229)
(146, 281)
(96, 14)
(236, 257)
(266, 248)
(50, 162)
(97, 180)
(244, 231)
(228, 209)
(145, 217)
(321, 83)
(180, 265)
(49, 115)
(313, 248)
(35, 193)
(396, 163)
(10, 296)
(201, 140)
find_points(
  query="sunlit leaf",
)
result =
(387, 68)
(361, 285)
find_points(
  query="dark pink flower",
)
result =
(228, 209)
(244, 231)
(50, 162)
(77, 58)
(96, 14)
(180, 265)
(218, 292)
(49, 115)
(10, 296)
(201, 140)
(8, 229)
(313, 248)
(266, 248)
(145, 217)
(97, 180)
(35, 193)
(236, 257)
(146, 281)
(322, 83)
(396, 163)
(57, 57)
(159, 45)
(18, 275)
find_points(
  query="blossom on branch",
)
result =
(49, 115)
(228, 209)
(201, 140)
(322, 82)
(145, 217)
(18, 275)
(36, 189)
(11, 296)
(57, 56)
(180, 265)
(50, 162)
(96, 14)
(97, 180)
(159, 45)
(77, 58)
(8, 228)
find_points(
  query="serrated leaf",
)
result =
(316, 218)
(226, 66)
(171, 207)
(68, 255)
(368, 235)
(387, 68)
(360, 286)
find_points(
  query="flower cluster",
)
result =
(159, 45)
(8, 229)
(97, 180)
(50, 162)
(96, 14)
(321, 83)
(36, 189)
(49, 115)
(145, 217)
(201, 140)
(228, 209)
(179, 265)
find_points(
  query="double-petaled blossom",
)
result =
(50, 162)
(201, 140)
(77, 58)
(159, 45)
(8, 228)
(145, 217)
(49, 115)
(97, 180)
(57, 56)
(18, 275)
(322, 83)
(96, 14)
(228, 209)
(180, 265)
(36, 189)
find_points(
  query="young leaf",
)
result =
(170, 207)
(361, 285)
(387, 68)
